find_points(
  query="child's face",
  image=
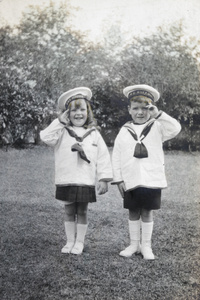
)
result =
(78, 112)
(139, 112)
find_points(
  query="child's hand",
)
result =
(102, 187)
(64, 117)
(121, 187)
(153, 111)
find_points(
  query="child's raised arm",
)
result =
(52, 133)
(170, 127)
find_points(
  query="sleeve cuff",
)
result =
(105, 179)
(116, 182)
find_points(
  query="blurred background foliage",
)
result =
(42, 58)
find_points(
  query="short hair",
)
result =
(141, 99)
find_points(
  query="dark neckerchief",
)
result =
(77, 147)
(144, 132)
(140, 150)
(72, 133)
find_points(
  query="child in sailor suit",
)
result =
(81, 158)
(138, 164)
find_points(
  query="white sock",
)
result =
(147, 230)
(134, 231)
(80, 238)
(70, 233)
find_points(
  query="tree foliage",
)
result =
(42, 58)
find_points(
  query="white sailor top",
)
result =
(147, 170)
(78, 160)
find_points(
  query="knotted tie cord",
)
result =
(140, 149)
(77, 147)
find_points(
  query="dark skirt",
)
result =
(141, 197)
(76, 193)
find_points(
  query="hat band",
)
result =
(76, 97)
(140, 93)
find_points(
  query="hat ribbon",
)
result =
(140, 93)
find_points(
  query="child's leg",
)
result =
(134, 231)
(147, 229)
(81, 228)
(70, 211)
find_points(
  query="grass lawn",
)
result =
(32, 235)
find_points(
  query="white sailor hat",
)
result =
(141, 90)
(73, 94)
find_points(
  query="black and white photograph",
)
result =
(100, 149)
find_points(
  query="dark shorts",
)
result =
(142, 198)
(76, 193)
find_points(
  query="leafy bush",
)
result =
(43, 58)
(30, 69)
